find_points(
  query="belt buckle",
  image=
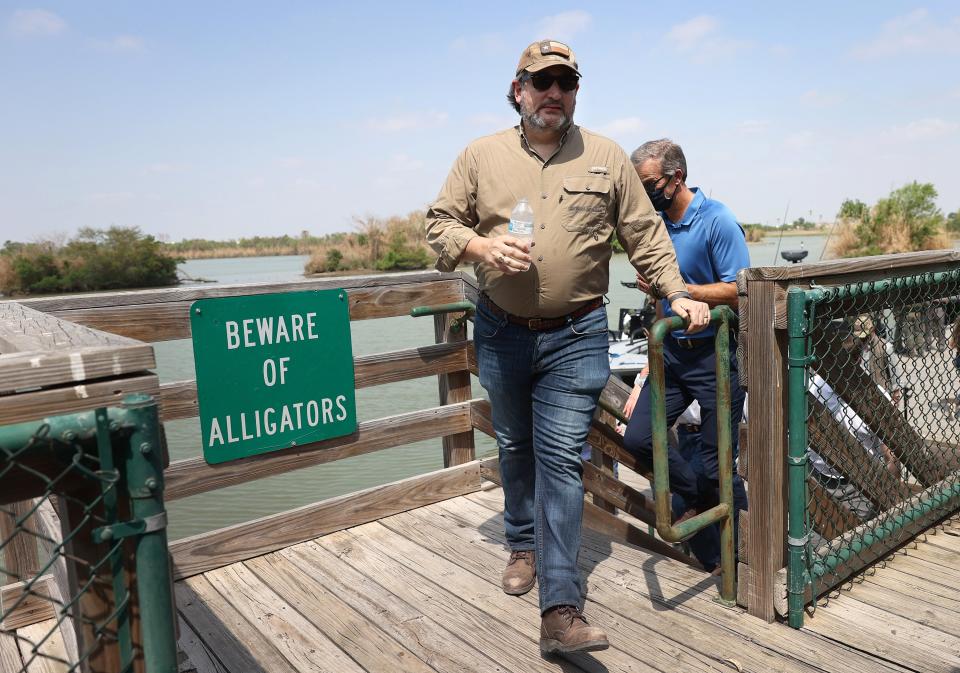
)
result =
(533, 324)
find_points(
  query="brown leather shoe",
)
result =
(520, 574)
(564, 629)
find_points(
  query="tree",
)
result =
(906, 221)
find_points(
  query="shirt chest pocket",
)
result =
(585, 201)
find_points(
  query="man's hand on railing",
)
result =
(696, 313)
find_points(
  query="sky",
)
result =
(222, 120)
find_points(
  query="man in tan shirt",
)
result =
(541, 328)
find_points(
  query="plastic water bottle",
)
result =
(521, 220)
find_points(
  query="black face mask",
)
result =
(659, 199)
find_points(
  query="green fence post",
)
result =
(144, 473)
(797, 577)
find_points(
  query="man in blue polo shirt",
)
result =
(711, 248)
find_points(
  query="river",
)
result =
(266, 496)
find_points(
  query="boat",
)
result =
(628, 343)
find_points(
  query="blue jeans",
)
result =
(688, 375)
(543, 389)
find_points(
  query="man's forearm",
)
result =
(714, 294)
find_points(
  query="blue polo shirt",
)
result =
(710, 246)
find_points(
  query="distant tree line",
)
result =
(905, 221)
(95, 259)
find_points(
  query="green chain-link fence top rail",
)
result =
(74, 477)
(883, 418)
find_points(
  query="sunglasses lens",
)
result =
(542, 81)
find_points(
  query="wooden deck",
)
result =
(419, 591)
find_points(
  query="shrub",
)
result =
(906, 221)
(95, 259)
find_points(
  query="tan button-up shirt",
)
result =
(581, 196)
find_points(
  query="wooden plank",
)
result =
(71, 399)
(22, 606)
(178, 399)
(908, 605)
(89, 579)
(162, 321)
(199, 657)
(829, 438)
(613, 491)
(301, 643)
(10, 661)
(743, 451)
(445, 536)
(682, 590)
(50, 656)
(927, 572)
(855, 268)
(225, 631)
(192, 293)
(830, 518)
(405, 622)
(51, 537)
(24, 329)
(603, 483)
(239, 542)
(194, 475)
(887, 635)
(766, 349)
(854, 386)
(31, 370)
(743, 537)
(514, 635)
(689, 640)
(360, 638)
(19, 559)
(454, 387)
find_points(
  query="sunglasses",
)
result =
(542, 81)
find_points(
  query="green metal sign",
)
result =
(273, 371)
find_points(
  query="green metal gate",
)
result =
(102, 577)
(874, 424)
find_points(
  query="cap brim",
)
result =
(543, 65)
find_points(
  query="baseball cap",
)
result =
(545, 53)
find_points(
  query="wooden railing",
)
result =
(74, 353)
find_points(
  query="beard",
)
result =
(536, 120)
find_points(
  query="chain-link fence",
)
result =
(875, 423)
(83, 561)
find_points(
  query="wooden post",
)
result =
(454, 387)
(20, 558)
(767, 352)
(604, 463)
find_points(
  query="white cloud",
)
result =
(165, 168)
(111, 198)
(801, 140)
(687, 35)
(701, 39)
(816, 98)
(913, 33)
(120, 43)
(486, 43)
(751, 127)
(925, 129)
(36, 22)
(403, 163)
(621, 126)
(409, 122)
(565, 25)
(492, 121)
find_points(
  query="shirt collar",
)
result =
(690, 213)
(563, 138)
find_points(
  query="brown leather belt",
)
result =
(692, 344)
(689, 427)
(540, 324)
